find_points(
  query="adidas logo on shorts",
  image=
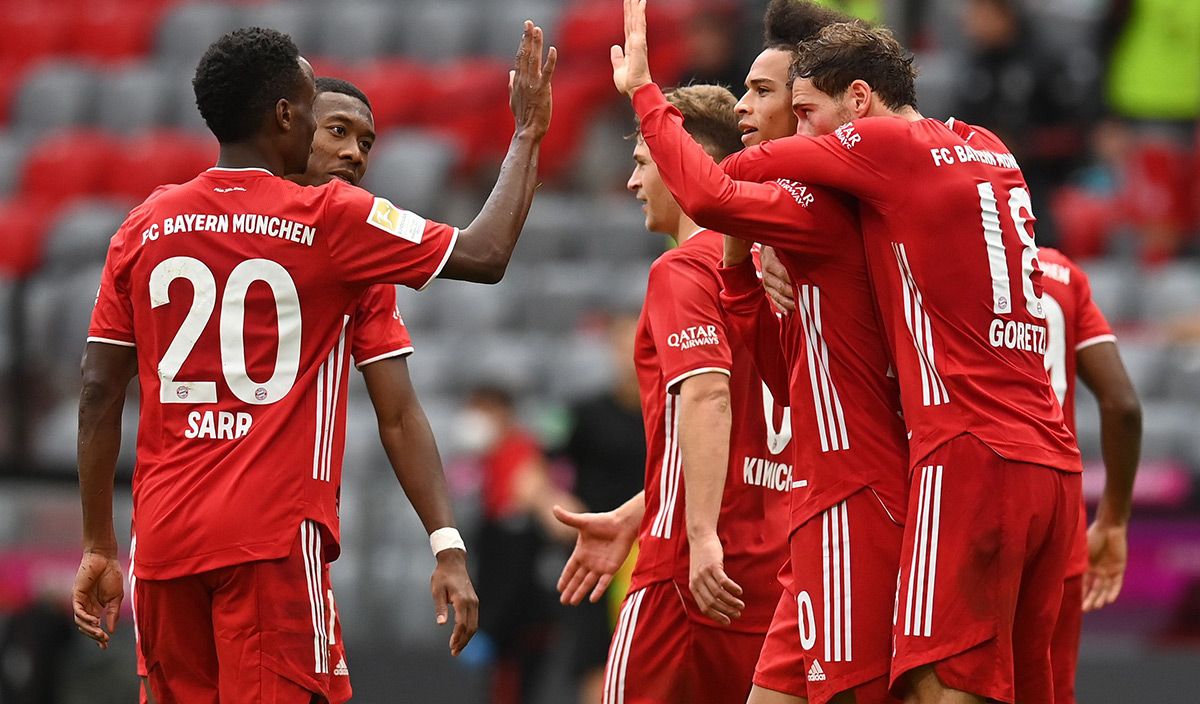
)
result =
(815, 673)
(344, 671)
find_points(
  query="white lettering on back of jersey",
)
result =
(757, 471)
(218, 425)
(1015, 335)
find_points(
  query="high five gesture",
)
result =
(631, 65)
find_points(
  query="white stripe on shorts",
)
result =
(618, 653)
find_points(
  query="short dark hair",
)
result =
(709, 117)
(242, 76)
(329, 84)
(844, 52)
(789, 22)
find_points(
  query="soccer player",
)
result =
(231, 297)
(947, 231)
(1081, 345)
(713, 515)
(845, 527)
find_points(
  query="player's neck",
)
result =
(907, 112)
(247, 155)
(684, 231)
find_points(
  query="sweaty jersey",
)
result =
(828, 359)
(240, 291)
(1075, 323)
(681, 333)
(948, 233)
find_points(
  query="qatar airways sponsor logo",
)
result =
(694, 336)
(217, 425)
(847, 136)
(962, 154)
(797, 190)
(1024, 337)
(757, 471)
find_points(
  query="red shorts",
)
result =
(981, 581)
(844, 564)
(780, 665)
(258, 632)
(1064, 649)
(659, 655)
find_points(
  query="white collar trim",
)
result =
(248, 168)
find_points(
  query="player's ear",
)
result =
(284, 115)
(861, 97)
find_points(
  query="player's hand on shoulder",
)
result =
(716, 594)
(776, 281)
(601, 546)
(451, 585)
(96, 596)
(631, 65)
(529, 84)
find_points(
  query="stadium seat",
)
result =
(512, 360)
(1116, 287)
(151, 159)
(552, 229)
(187, 30)
(438, 30)
(55, 95)
(1172, 291)
(356, 31)
(81, 233)
(12, 154)
(113, 30)
(182, 111)
(296, 19)
(69, 164)
(33, 30)
(468, 100)
(1183, 373)
(411, 169)
(504, 20)
(481, 309)
(1145, 360)
(572, 289)
(134, 99)
(397, 89)
(23, 225)
(579, 365)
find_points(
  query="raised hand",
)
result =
(1108, 551)
(600, 550)
(96, 597)
(631, 65)
(529, 84)
(450, 584)
(716, 594)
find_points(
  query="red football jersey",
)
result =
(238, 290)
(845, 399)
(681, 332)
(948, 231)
(1075, 323)
(376, 329)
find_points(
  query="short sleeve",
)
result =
(112, 317)
(1091, 327)
(379, 330)
(373, 241)
(684, 310)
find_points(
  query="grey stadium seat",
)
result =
(56, 95)
(356, 31)
(1115, 287)
(564, 292)
(134, 99)
(1145, 360)
(12, 155)
(1172, 292)
(439, 29)
(296, 19)
(581, 365)
(182, 108)
(502, 23)
(556, 228)
(411, 169)
(80, 235)
(187, 31)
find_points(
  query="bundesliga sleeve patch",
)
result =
(394, 221)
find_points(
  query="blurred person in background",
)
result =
(198, 575)
(1033, 97)
(514, 538)
(1082, 346)
(607, 447)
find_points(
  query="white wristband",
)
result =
(446, 539)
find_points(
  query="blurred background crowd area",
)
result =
(528, 384)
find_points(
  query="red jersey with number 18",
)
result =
(238, 290)
(682, 333)
(948, 232)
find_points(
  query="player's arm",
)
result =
(412, 451)
(751, 318)
(601, 547)
(1099, 366)
(485, 246)
(99, 589)
(705, 422)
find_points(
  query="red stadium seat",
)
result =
(113, 30)
(12, 76)
(68, 164)
(468, 100)
(33, 30)
(398, 89)
(144, 162)
(24, 222)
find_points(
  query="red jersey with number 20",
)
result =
(948, 232)
(1075, 323)
(682, 333)
(238, 290)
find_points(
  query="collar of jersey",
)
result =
(692, 236)
(228, 169)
